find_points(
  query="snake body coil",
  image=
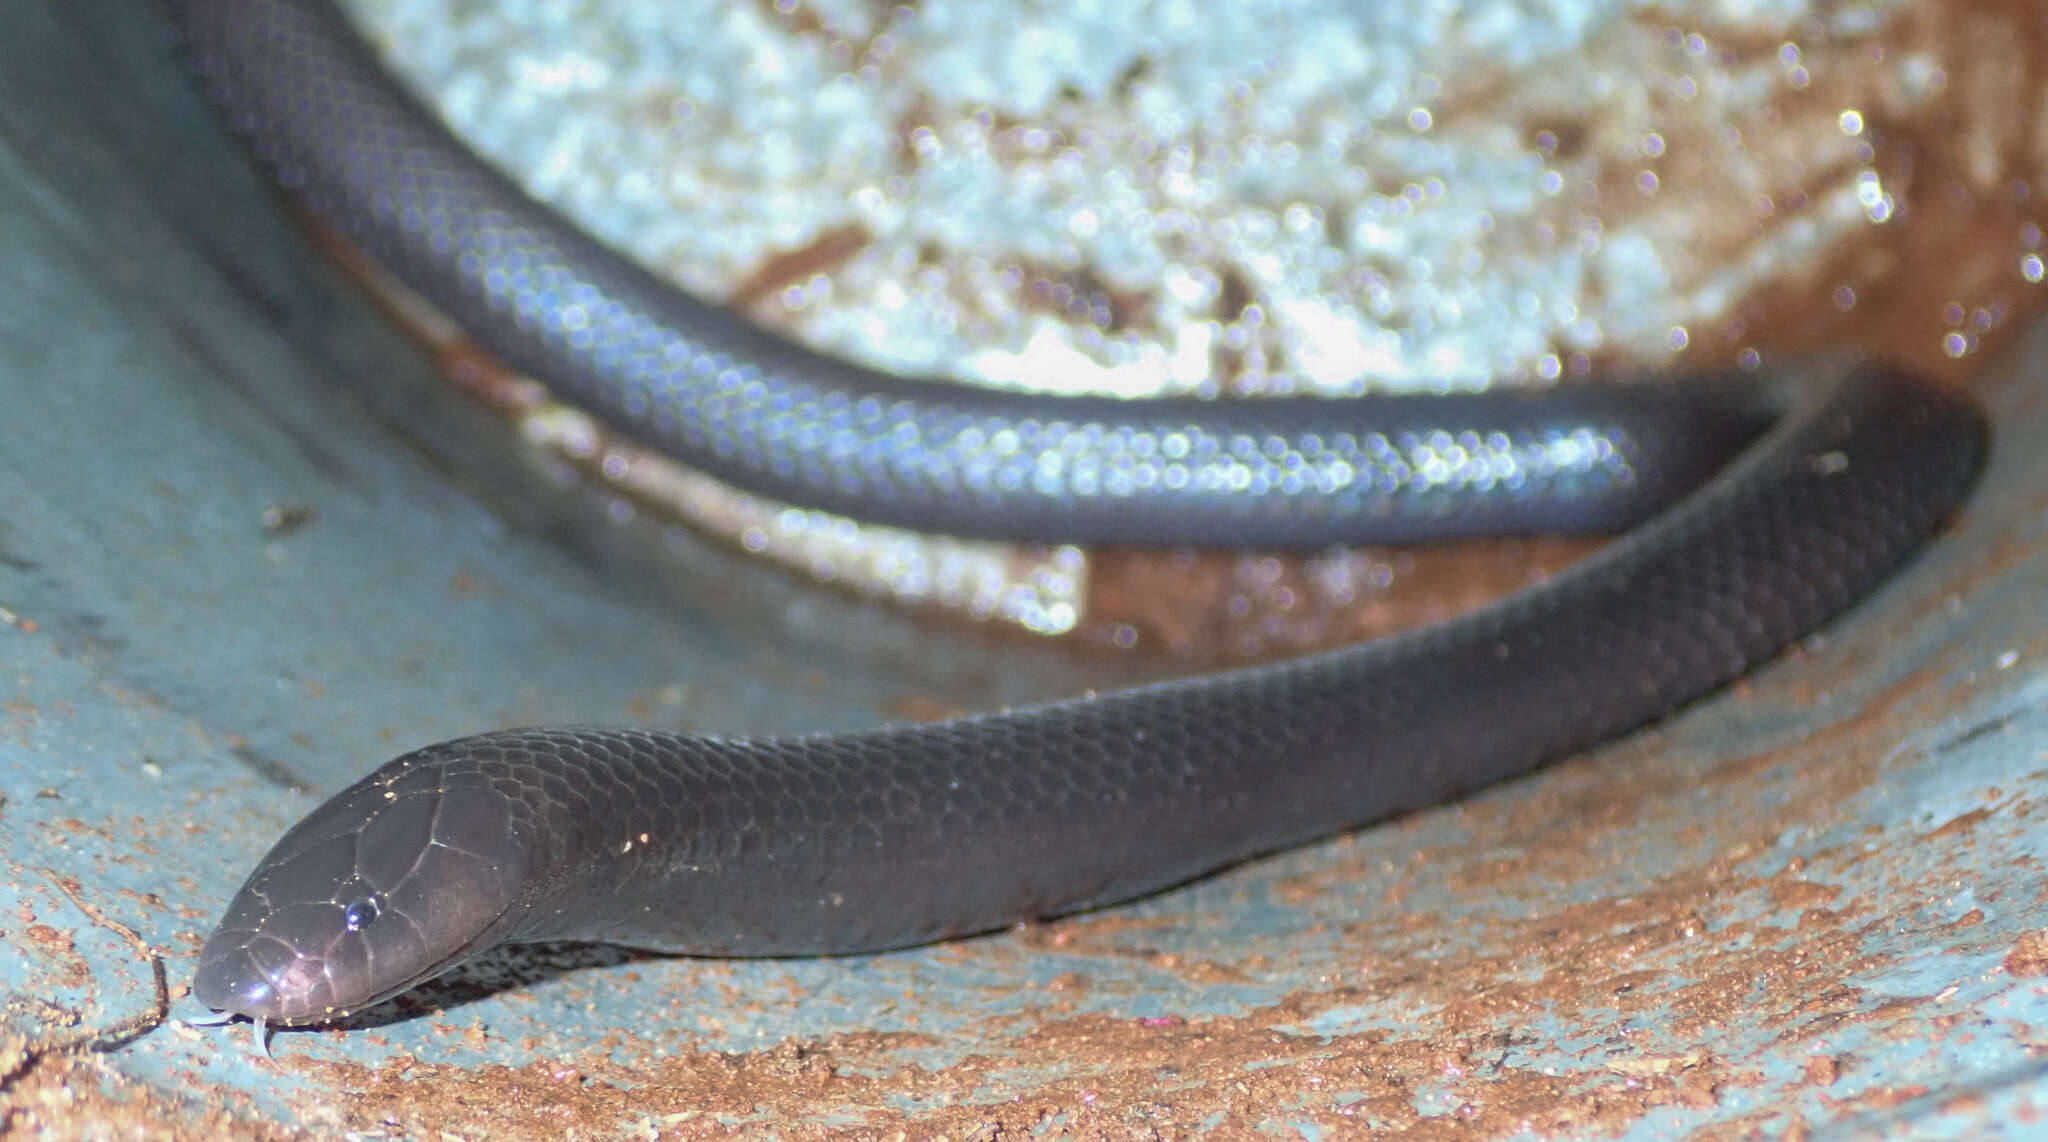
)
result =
(854, 842)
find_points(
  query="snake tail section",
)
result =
(728, 398)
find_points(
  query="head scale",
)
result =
(386, 885)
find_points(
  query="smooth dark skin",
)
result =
(857, 842)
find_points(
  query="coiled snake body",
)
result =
(854, 842)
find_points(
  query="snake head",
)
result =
(383, 887)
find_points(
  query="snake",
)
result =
(1751, 509)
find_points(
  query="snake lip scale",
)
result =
(855, 842)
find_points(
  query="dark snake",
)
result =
(855, 842)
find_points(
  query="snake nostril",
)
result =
(257, 994)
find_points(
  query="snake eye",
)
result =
(360, 914)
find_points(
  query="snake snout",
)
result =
(284, 958)
(230, 983)
(266, 979)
